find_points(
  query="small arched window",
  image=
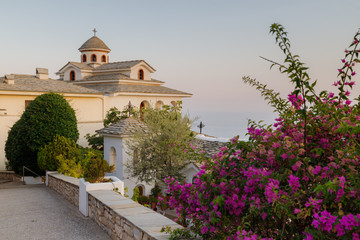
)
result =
(141, 74)
(113, 157)
(93, 58)
(72, 76)
(159, 105)
(103, 58)
(84, 58)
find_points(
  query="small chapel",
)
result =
(92, 86)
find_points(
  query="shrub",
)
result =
(48, 154)
(297, 179)
(45, 117)
(94, 166)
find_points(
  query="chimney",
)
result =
(9, 79)
(42, 73)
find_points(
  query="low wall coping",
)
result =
(6, 171)
(68, 179)
(143, 218)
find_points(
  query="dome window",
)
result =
(141, 74)
(93, 58)
(103, 58)
(84, 58)
(72, 76)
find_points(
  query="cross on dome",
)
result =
(94, 31)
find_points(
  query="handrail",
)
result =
(29, 171)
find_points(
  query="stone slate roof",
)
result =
(210, 147)
(42, 70)
(110, 76)
(83, 66)
(123, 127)
(118, 65)
(116, 76)
(94, 43)
(30, 83)
(133, 88)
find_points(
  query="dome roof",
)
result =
(94, 43)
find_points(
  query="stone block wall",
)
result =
(66, 186)
(10, 175)
(120, 217)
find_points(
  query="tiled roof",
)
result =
(125, 126)
(133, 88)
(94, 43)
(118, 65)
(30, 83)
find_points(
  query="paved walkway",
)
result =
(35, 212)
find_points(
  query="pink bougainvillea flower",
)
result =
(353, 73)
(343, 60)
(347, 102)
(297, 211)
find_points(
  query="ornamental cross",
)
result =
(129, 108)
(201, 126)
(94, 31)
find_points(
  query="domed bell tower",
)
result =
(94, 51)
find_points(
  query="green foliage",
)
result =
(70, 166)
(155, 191)
(48, 154)
(95, 166)
(45, 117)
(179, 233)
(157, 149)
(136, 194)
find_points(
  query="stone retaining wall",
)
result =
(10, 175)
(66, 186)
(120, 217)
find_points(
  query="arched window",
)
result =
(143, 105)
(173, 103)
(141, 74)
(103, 58)
(72, 76)
(159, 104)
(84, 58)
(112, 160)
(93, 58)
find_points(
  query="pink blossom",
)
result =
(297, 211)
(353, 73)
(294, 182)
(347, 102)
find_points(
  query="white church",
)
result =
(91, 86)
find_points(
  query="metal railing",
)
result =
(23, 175)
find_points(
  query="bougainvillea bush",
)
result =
(296, 179)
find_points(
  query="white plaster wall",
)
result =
(67, 74)
(135, 70)
(189, 174)
(122, 158)
(121, 101)
(98, 56)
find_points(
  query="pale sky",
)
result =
(204, 47)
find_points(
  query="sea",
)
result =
(229, 124)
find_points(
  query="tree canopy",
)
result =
(45, 117)
(159, 150)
